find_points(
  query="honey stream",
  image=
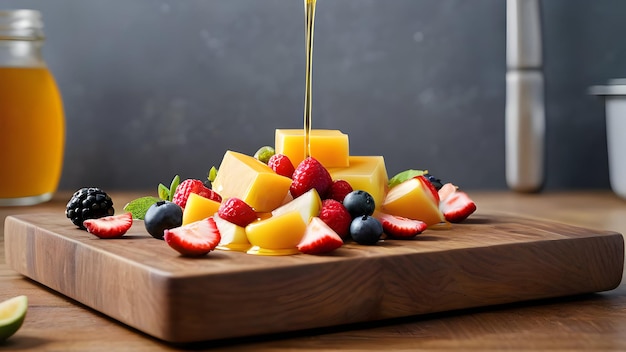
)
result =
(309, 22)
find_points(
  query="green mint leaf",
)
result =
(405, 175)
(212, 174)
(138, 207)
(173, 185)
(164, 192)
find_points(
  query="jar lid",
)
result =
(615, 86)
(21, 25)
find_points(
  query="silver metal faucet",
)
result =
(525, 111)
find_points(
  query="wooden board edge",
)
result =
(27, 251)
(410, 285)
(385, 292)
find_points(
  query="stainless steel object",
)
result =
(525, 111)
(614, 94)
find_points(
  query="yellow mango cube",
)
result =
(412, 199)
(367, 173)
(198, 208)
(250, 180)
(330, 147)
(277, 235)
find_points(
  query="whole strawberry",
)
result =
(281, 164)
(336, 216)
(237, 211)
(193, 186)
(309, 174)
(339, 189)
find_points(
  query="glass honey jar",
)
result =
(32, 122)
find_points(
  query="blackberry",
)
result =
(88, 203)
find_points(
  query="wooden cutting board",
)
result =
(140, 281)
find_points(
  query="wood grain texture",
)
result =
(589, 322)
(490, 260)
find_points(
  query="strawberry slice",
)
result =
(457, 206)
(113, 226)
(195, 239)
(281, 164)
(400, 227)
(309, 174)
(237, 211)
(446, 190)
(319, 238)
(193, 186)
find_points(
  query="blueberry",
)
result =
(366, 230)
(434, 181)
(162, 215)
(359, 203)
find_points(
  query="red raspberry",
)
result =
(310, 174)
(339, 189)
(336, 216)
(193, 186)
(236, 211)
(281, 164)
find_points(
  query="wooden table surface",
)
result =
(593, 322)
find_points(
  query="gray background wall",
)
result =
(155, 88)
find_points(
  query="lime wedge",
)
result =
(12, 314)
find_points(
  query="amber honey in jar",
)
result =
(32, 123)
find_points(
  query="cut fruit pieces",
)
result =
(330, 147)
(112, 226)
(319, 238)
(308, 204)
(195, 239)
(252, 181)
(233, 237)
(399, 227)
(12, 314)
(457, 207)
(366, 173)
(413, 199)
(277, 235)
(198, 208)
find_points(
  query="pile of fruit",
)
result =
(236, 210)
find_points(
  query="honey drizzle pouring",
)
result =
(309, 21)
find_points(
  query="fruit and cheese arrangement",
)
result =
(283, 201)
